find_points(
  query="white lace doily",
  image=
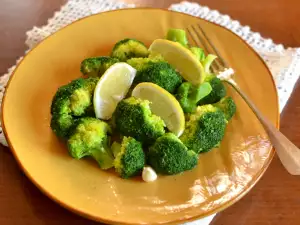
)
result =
(283, 63)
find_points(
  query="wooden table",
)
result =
(276, 197)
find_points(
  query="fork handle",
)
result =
(288, 153)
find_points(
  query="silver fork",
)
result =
(288, 153)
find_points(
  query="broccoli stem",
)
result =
(103, 157)
(189, 95)
(177, 35)
(115, 148)
(207, 62)
(203, 90)
(198, 52)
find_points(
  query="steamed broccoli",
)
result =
(90, 138)
(206, 61)
(141, 63)
(228, 107)
(61, 124)
(133, 117)
(198, 52)
(129, 157)
(218, 91)
(177, 35)
(129, 48)
(96, 66)
(188, 95)
(160, 73)
(156, 70)
(169, 155)
(70, 101)
(205, 129)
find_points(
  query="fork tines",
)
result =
(201, 39)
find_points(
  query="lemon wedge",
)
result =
(112, 88)
(163, 104)
(180, 58)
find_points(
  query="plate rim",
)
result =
(99, 218)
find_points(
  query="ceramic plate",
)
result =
(223, 175)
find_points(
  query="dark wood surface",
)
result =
(276, 197)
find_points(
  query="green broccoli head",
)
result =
(142, 63)
(70, 101)
(218, 91)
(61, 124)
(130, 158)
(96, 66)
(160, 73)
(138, 63)
(90, 138)
(228, 107)
(75, 97)
(198, 52)
(133, 117)
(188, 95)
(129, 48)
(170, 156)
(205, 129)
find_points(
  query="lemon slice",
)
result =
(180, 58)
(112, 88)
(163, 104)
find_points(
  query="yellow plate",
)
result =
(223, 175)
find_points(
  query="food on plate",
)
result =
(129, 48)
(163, 104)
(90, 137)
(198, 52)
(189, 95)
(96, 66)
(227, 106)
(133, 117)
(149, 174)
(168, 155)
(204, 129)
(217, 93)
(119, 76)
(70, 101)
(177, 35)
(181, 58)
(144, 111)
(129, 157)
(160, 73)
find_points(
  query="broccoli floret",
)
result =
(156, 70)
(129, 158)
(141, 63)
(129, 48)
(228, 106)
(169, 155)
(96, 66)
(138, 63)
(218, 91)
(205, 129)
(206, 63)
(133, 117)
(71, 101)
(198, 52)
(160, 73)
(61, 124)
(75, 97)
(188, 95)
(90, 138)
(177, 35)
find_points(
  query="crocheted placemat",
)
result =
(283, 63)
